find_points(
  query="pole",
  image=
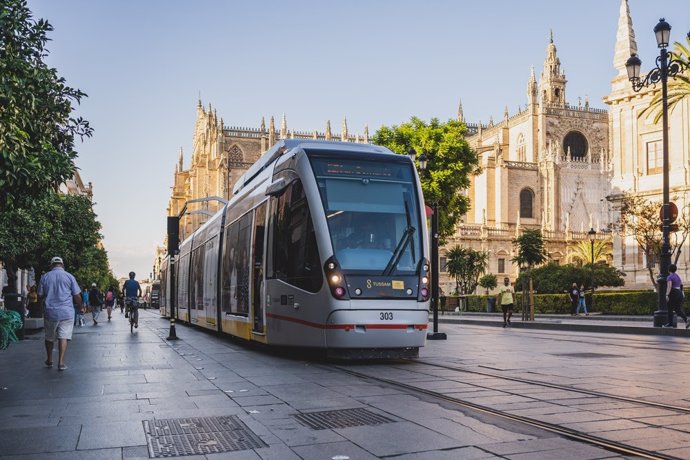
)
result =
(591, 275)
(435, 335)
(662, 315)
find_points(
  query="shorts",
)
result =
(58, 329)
(507, 307)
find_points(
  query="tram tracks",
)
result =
(532, 421)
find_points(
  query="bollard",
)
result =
(172, 335)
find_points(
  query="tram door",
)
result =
(258, 239)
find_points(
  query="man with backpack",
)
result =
(95, 302)
(110, 301)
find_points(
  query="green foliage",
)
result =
(530, 248)
(466, 265)
(607, 303)
(678, 87)
(10, 321)
(57, 225)
(37, 131)
(488, 281)
(450, 163)
(554, 278)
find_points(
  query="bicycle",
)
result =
(133, 310)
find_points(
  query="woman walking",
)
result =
(110, 301)
(674, 297)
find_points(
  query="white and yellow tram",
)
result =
(323, 245)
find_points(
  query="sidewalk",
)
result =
(613, 324)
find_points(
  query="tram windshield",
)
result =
(373, 213)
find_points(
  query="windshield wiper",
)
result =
(400, 248)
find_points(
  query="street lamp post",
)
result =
(592, 235)
(666, 66)
(435, 335)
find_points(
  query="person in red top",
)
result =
(674, 297)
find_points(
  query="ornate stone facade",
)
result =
(220, 155)
(636, 150)
(545, 167)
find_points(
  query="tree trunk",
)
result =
(651, 276)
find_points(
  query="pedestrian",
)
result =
(582, 302)
(96, 303)
(574, 294)
(506, 299)
(674, 296)
(33, 304)
(110, 301)
(59, 291)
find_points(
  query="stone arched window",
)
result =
(235, 154)
(526, 203)
(521, 148)
(576, 142)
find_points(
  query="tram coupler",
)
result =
(172, 335)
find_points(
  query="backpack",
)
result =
(109, 296)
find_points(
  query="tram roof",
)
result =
(283, 146)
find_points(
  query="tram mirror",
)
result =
(277, 188)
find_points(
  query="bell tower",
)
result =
(552, 81)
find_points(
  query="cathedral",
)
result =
(555, 166)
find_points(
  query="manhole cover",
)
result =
(586, 355)
(343, 418)
(199, 436)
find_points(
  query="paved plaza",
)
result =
(128, 396)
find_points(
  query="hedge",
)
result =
(606, 303)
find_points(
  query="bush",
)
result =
(607, 303)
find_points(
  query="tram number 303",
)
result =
(386, 316)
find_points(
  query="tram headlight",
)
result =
(425, 280)
(335, 278)
(424, 292)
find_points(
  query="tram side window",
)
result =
(210, 273)
(294, 256)
(236, 266)
(229, 274)
(197, 275)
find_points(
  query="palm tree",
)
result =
(583, 251)
(678, 87)
(530, 252)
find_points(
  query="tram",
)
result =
(323, 245)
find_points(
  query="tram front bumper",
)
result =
(376, 328)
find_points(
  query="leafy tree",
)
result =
(466, 265)
(63, 225)
(37, 131)
(553, 278)
(678, 87)
(450, 163)
(488, 281)
(640, 218)
(530, 252)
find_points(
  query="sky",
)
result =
(146, 63)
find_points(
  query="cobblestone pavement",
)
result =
(128, 396)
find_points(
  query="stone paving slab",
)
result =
(117, 380)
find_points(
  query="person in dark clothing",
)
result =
(674, 296)
(574, 294)
(96, 302)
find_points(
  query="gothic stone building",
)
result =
(545, 167)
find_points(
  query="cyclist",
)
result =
(132, 290)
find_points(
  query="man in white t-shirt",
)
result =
(506, 299)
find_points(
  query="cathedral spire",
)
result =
(263, 125)
(461, 115)
(625, 40)
(271, 132)
(180, 161)
(283, 127)
(366, 133)
(328, 130)
(552, 81)
(532, 92)
(343, 131)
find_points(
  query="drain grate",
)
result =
(587, 355)
(199, 436)
(342, 418)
